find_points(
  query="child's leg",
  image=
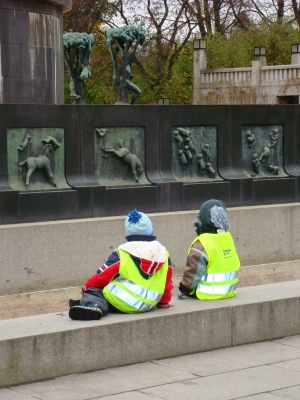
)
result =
(93, 306)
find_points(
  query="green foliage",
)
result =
(231, 51)
(179, 87)
(236, 50)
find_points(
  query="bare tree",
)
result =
(169, 26)
(296, 10)
(86, 15)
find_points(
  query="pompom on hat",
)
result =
(138, 223)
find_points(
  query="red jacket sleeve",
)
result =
(105, 273)
(167, 296)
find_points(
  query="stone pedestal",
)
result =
(31, 51)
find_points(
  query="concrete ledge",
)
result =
(51, 345)
(52, 255)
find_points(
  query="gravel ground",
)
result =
(50, 301)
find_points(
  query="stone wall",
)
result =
(31, 51)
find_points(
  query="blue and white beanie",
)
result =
(138, 223)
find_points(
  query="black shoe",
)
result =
(85, 313)
(74, 302)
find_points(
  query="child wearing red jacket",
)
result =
(137, 277)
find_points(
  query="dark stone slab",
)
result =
(122, 200)
(196, 194)
(48, 206)
(162, 193)
(10, 207)
(10, 60)
(274, 191)
(241, 192)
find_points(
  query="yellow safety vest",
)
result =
(222, 273)
(130, 292)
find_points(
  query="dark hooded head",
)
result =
(212, 216)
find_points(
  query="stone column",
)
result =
(31, 51)
(200, 63)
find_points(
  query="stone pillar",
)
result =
(31, 51)
(200, 63)
(255, 73)
(295, 58)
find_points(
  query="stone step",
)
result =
(46, 346)
(56, 300)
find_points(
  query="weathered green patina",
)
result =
(194, 153)
(120, 156)
(262, 151)
(36, 158)
(125, 41)
(77, 50)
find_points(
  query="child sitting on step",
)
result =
(137, 277)
(212, 265)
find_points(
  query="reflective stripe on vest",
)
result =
(130, 292)
(219, 277)
(134, 288)
(224, 289)
(128, 298)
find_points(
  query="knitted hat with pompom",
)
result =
(138, 223)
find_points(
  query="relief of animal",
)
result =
(40, 162)
(131, 160)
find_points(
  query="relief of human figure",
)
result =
(201, 164)
(274, 135)
(250, 139)
(265, 153)
(255, 164)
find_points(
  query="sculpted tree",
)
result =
(125, 40)
(77, 50)
(169, 28)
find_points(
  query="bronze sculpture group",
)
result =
(267, 154)
(123, 41)
(187, 152)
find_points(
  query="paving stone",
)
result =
(292, 364)
(230, 385)
(103, 383)
(14, 394)
(233, 358)
(288, 393)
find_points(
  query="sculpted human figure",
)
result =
(191, 145)
(206, 153)
(182, 158)
(274, 135)
(130, 159)
(25, 143)
(210, 170)
(77, 50)
(250, 139)
(188, 154)
(265, 154)
(125, 40)
(274, 169)
(255, 164)
(178, 138)
(184, 132)
(201, 163)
